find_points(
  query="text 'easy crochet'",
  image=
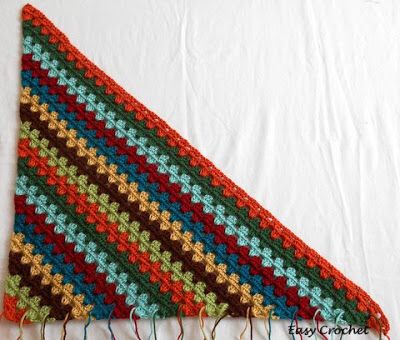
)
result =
(114, 210)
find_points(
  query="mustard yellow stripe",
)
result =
(79, 310)
(142, 197)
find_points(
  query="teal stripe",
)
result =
(151, 152)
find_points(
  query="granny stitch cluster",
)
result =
(114, 210)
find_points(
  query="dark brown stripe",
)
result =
(16, 267)
(236, 308)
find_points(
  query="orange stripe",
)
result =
(11, 311)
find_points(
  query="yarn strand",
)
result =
(132, 316)
(64, 327)
(43, 328)
(21, 326)
(89, 320)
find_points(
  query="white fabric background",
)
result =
(297, 101)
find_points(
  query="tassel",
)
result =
(201, 322)
(151, 330)
(294, 319)
(43, 327)
(213, 332)
(247, 321)
(269, 330)
(64, 327)
(297, 324)
(337, 323)
(132, 315)
(251, 325)
(291, 325)
(109, 325)
(153, 327)
(180, 322)
(86, 327)
(316, 325)
(21, 326)
(319, 331)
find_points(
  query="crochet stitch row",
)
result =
(115, 210)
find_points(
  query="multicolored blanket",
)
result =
(114, 210)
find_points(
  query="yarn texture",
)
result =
(114, 210)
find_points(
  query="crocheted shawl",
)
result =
(115, 210)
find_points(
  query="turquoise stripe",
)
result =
(93, 254)
(151, 152)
